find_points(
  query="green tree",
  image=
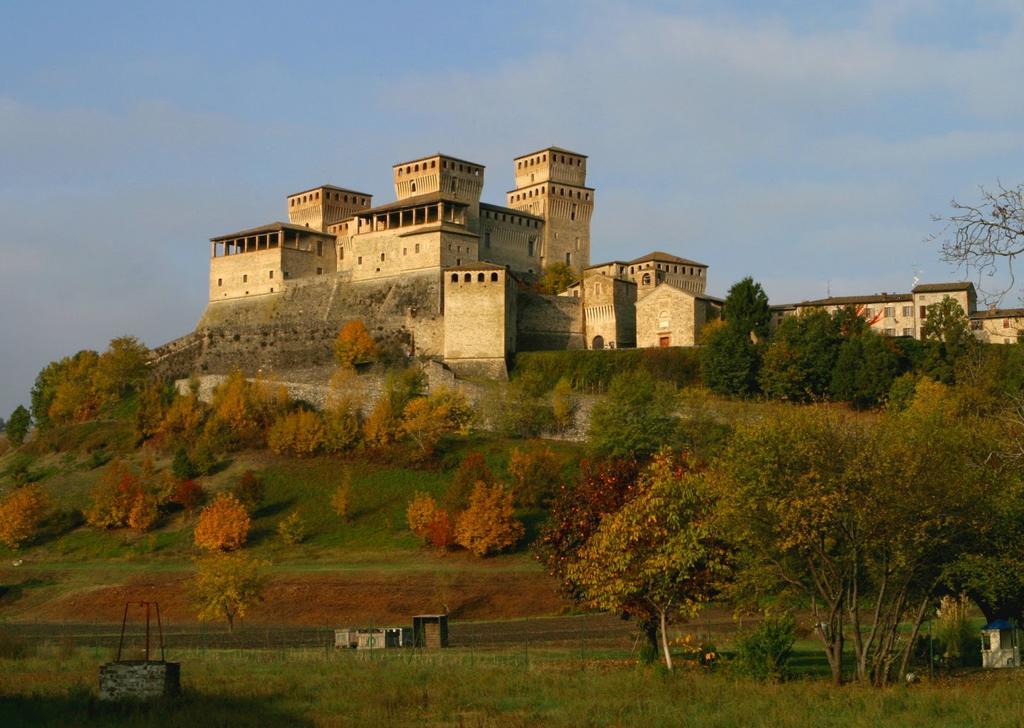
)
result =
(746, 308)
(635, 419)
(798, 362)
(18, 425)
(729, 361)
(122, 368)
(946, 332)
(556, 278)
(865, 369)
(658, 553)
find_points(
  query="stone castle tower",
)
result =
(551, 184)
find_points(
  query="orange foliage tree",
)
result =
(21, 512)
(354, 345)
(488, 525)
(536, 476)
(246, 409)
(188, 494)
(223, 525)
(114, 496)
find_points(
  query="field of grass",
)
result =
(508, 687)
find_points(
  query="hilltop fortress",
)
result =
(438, 271)
(449, 278)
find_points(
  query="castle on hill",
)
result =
(449, 274)
(449, 277)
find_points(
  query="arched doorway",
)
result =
(597, 343)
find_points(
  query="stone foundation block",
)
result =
(139, 680)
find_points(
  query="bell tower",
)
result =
(551, 183)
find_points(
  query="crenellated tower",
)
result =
(325, 205)
(551, 183)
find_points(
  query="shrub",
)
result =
(188, 494)
(427, 419)
(957, 638)
(299, 433)
(419, 513)
(21, 512)
(592, 370)
(144, 513)
(246, 408)
(563, 405)
(536, 476)
(341, 498)
(520, 410)
(488, 525)
(901, 393)
(441, 530)
(343, 425)
(636, 418)
(183, 421)
(249, 490)
(354, 345)
(223, 525)
(154, 400)
(182, 466)
(764, 652)
(114, 496)
(472, 470)
(18, 425)
(292, 529)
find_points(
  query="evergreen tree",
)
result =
(18, 425)
(730, 362)
(746, 308)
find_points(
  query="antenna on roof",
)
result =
(828, 288)
(917, 275)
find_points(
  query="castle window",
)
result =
(245, 278)
(647, 279)
(382, 257)
(568, 258)
(412, 186)
(467, 278)
(320, 248)
(220, 282)
(487, 240)
(271, 274)
(271, 290)
(494, 277)
(529, 246)
(479, 277)
(359, 261)
(341, 253)
(405, 251)
(454, 185)
(455, 277)
(1006, 323)
(417, 248)
(319, 271)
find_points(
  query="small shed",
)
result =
(372, 638)
(999, 646)
(430, 630)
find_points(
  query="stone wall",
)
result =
(668, 317)
(139, 680)
(546, 323)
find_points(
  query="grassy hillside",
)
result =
(73, 569)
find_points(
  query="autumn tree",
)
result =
(21, 512)
(188, 494)
(183, 420)
(223, 525)
(488, 525)
(225, 586)
(535, 476)
(341, 498)
(246, 409)
(117, 494)
(472, 469)
(419, 512)
(556, 278)
(426, 420)
(122, 368)
(299, 433)
(343, 425)
(659, 552)
(18, 425)
(154, 400)
(354, 345)
(292, 529)
(75, 398)
(249, 490)
(636, 418)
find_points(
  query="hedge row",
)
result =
(591, 370)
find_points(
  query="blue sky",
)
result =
(800, 144)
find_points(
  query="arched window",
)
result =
(647, 279)
(455, 277)
(597, 343)
(468, 278)
(479, 277)
(494, 277)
